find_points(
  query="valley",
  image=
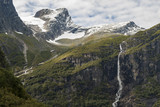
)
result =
(47, 60)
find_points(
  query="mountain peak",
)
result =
(43, 12)
(129, 28)
(50, 24)
(62, 10)
(126, 28)
(131, 24)
(53, 21)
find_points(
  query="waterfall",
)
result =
(118, 94)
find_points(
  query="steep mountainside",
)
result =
(14, 45)
(140, 66)
(9, 19)
(21, 48)
(12, 93)
(49, 24)
(83, 76)
(87, 74)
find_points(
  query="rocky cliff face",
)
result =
(140, 67)
(54, 23)
(9, 19)
(83, 76)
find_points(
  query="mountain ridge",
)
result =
(11, 22)
(56, 23)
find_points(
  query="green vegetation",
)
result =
(157, 104)
(142, 47)
(142, 39)
(70, 78)
(38, 50)
(3, 63)
(52, 79)
(12, 93)
(102, 49)
(151, 89)
(147, 91)
(13, 50)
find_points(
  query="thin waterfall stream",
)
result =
(118, 94)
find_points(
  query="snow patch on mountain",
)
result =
(126, 28)
(67, 35)
(31, 20)
(70, 35)
(19, 32)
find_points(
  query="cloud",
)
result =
(145, 13)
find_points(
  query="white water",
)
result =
(118, 94)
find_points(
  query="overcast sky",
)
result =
(145, 13)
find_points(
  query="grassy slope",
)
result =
(143, 39)
(149, 90)
(38, 51)
(12, 49)
(109, 44)
(51, 75)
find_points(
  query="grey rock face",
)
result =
(139, 66)
(43, 12)
(56, 23)
(129, 29)
(9, 19)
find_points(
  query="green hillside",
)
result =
(72, 79)
(86, 74)
(12, 93)
(37, 50)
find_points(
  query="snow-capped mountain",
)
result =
(49, 24)
(126, 28)
(53, 25)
